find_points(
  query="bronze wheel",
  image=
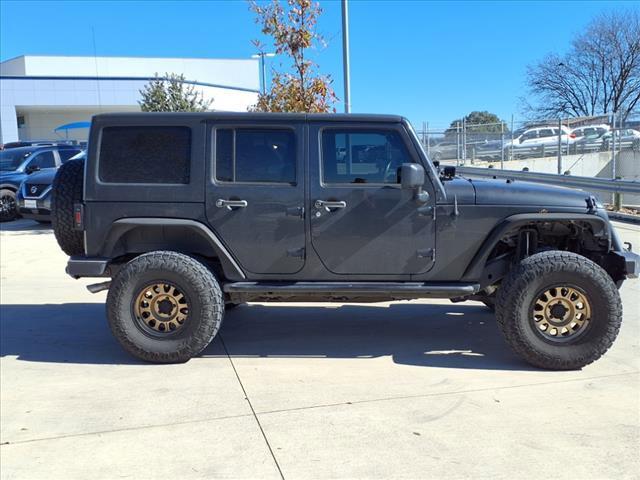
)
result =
(561, 313)
(161, 308)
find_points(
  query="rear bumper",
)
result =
(78, 267)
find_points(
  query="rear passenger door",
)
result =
(255, 194)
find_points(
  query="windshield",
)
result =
(12, 158)
(80, 156)
(434, 173)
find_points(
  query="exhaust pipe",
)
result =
(98, 287)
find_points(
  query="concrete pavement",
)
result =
(390, 390)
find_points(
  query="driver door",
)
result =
(362, 222)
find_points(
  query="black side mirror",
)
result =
(31, 168)
(412, 178)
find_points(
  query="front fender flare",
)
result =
(514, 222)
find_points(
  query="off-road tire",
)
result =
(206, 306)
(66, 191)
(543, 270)
(9, 208)
(490, 302)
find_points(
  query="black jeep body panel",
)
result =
(377, 242)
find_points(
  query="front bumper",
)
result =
(629, 263)
(35, 208)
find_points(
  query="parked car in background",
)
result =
(589, 138)
(539, 141)
(35, 143)
(16, 164)
(444, 151)
(33, 198)
(491, 150)
(628, 138)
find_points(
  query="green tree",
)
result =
(292, 29)
(478, 122)
(171, 94)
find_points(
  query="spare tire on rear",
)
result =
(67, 191)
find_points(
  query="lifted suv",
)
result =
(189, 214)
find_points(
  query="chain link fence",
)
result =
(604, 146)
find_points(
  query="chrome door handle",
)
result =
(231, 204)
(330, 204)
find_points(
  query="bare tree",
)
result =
(600, 73)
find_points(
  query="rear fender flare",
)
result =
(230, 266)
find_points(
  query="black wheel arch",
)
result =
(129, 237)
(488, 270)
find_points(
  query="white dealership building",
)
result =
(40, 95)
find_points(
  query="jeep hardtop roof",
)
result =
(258, 116)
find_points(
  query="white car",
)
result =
(540, 141)
(591, 130)
(625, 138)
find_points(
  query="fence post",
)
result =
(511, 146)
(428, 140)
(559, 146)
(501, 145)
(458, 142)
(464, 141)
(613, 145)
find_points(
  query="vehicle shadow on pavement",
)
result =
(451, 336)
(61, 333)
(430, 335)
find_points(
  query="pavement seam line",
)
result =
(284, 410)
(440, 394)
(246, 396)
(124, 429)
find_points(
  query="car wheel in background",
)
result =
(8, 207)
(66, 191)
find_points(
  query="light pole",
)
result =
(345, 57)
(261, 56)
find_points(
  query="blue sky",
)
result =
(429, 61)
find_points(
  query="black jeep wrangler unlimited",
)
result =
(189, 214)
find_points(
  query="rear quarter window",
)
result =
(146, 154)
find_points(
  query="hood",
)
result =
(461, 189)
(14, 178)
(510, 192)
(43, 177)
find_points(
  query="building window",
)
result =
(145, 155)
(255, 155)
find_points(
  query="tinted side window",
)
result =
(67, 153)
(255, 155)
(43, 160)
(361, 156)
(547, 133)
(145, 155)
